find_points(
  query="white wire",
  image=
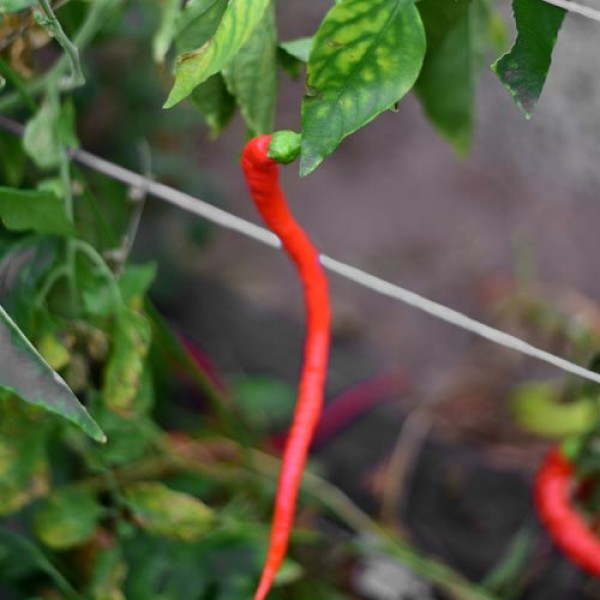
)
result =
(574, 7)
(260, 234)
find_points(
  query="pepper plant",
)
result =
(100, 496)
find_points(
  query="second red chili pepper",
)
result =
(564, 523)
(262, 176)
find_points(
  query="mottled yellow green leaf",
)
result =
(166, 512)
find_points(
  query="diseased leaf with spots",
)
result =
(365, 57)
(168, 513)
(251, 76)
(23, 464)
(523, 70)
(67, 518)
(457, 33)
(215, 102)
(34, 210)
(130, 342)
(196, 66)
(24, 371)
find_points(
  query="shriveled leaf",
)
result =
(523, 70)
(169, 12)
(456, 37)
(215, 102)
(299, 48)
(24, 371)
(34, 210)
(251, 76)
(67, 517)
(365, 57)
(537, 407)
(235, 27)
(168, 513)
(130, 343)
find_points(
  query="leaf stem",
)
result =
(54, 28)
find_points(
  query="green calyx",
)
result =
(284, 147)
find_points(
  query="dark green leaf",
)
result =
(24, 371)
(365, 56)
(251, 76)
(235, 27)
(13, 159)
(215, 103)
(265, 402)
(36, 210)
(67, 517)
(456, 36)
(168, 513)
(524, 68)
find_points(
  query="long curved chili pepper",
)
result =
(262, 176)
(565, 525)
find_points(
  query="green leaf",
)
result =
(15, 5)
(299, 48)
(251, 76)
(215, 103)
(456, 35)
(168, 513)
(166, 32)
(235, 27)
(24, 371)
(48, 132)
(263, 401)
(13, 159)
(524, 68)
(36, 210)
(197, 23)
(67, 518)
(537, 407)
(365, 56)
(130, 343)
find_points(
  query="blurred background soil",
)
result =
(395, 201)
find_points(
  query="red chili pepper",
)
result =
(262, 176)
(564, 523)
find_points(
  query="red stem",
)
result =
(262, 176)
(564, 523)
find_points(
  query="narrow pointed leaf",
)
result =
(237, 24)
(365, 57)
(523, 70)
(456, 37)
(24, 371)
(251, 76)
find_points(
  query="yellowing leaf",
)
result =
(166, 512)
